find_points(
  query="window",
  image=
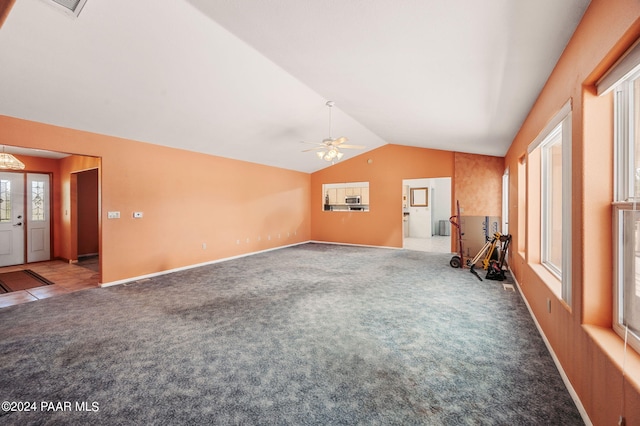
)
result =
(626, 211)
(551, 223)
(505, 202)
(549, 189)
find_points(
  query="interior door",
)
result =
(11, 218)
(38, 218)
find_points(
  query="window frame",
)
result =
(625, 199)
(505, 201)
(561, 122)
(623, 152)
(546, 195)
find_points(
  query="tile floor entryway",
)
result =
(67, 278)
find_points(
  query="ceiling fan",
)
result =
(329, 148)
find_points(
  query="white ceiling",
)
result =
(248, 79)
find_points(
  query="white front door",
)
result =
(15, 225)
(38, 218)
(11, 218)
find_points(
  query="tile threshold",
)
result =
(67, 278)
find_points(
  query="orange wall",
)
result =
(581, 336)
(187, 199)
(388, 166)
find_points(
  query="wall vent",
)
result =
(71, 7)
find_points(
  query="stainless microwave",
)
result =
(352, 199)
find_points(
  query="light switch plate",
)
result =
(137, 215)
(113, 215)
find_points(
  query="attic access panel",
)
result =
(70, 7)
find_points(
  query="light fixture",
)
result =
(8, 161)
(328, 149)
(332, 155)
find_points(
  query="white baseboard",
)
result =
(351, 244)
(184, 268)
(565, 379)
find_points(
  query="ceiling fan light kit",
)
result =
(328, 149)
(332, 155)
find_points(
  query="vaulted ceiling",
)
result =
(248, 79)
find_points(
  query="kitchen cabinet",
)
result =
(340, 195)
(333, 195)
(364, 195)
(350, 191)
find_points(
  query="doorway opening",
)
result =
(426, 208)
(85, 214)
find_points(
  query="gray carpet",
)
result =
(313, 334)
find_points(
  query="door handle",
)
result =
(18, 224)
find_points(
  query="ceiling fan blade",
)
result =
(314, 149)
(353, 146)
(339, 141)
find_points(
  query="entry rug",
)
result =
(21, 280)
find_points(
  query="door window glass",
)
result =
(5, 200)
(37, 201)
